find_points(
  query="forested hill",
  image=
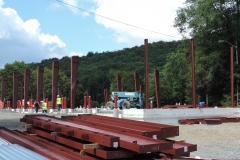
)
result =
(98, 70)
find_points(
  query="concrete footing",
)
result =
(171, 116)
(84, 110)
(30, 110)
(63, 111)
(70, 110)
(50, 110)
(89, 111)
(115, 113)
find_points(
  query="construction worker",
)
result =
(44, 107)
(59, 102)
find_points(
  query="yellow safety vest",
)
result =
(59, 100)
(44, 106)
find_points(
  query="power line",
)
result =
(67, 4)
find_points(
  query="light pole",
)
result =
(220, 41)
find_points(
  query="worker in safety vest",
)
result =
(44, 107)
(59, 102)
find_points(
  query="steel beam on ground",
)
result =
(119, 127)
(74, 74)
(40, 72)
(70, 129)
(128, 141)
(26, 86)
(41, 148)
(118, 153)
(41, 137)
(4, 88)
(166, 130)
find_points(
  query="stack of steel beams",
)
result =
(98, 137)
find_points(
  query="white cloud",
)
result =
(154, 15)
(24, 41)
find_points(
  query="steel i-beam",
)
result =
(26, 86)
(4, 88)
(156, 78)
(136, 82)
(15, 89)
(146, 73)
(119, 83)
(40, 72)
(74, 73)
(55, 70)
(193, 75)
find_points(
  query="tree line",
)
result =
(205, 21)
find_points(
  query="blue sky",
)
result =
(34, 30)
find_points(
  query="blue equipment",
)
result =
(127, 100)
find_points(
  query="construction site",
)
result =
(130, 126)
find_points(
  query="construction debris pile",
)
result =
(92, 137)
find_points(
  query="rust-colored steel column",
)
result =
(156, 78)
(55, 70)
(60, 92)
(85, 102)
(4, 88)
(193, 75)
(136, 82)
(119, 83)
(8, 104)
(15, 89)
(232, 75)
(88, 94)
(115, 101)
(22, 90)
(146, 73)
(74, 73)
(142, 88)
(89, 102)
(40, 72)
(26, 86)
(123, 89)
(44, 94)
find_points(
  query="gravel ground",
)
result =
(214, 141)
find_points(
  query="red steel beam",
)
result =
(117, 126)
(15, 89)
(232, 74)
(21, 90)
(166, 130)
(146, 73)
(40, 72)
(4, 88)
(136, 82)
(41, 148)
(119, 83)
(26, 86)
(156, 79)
(193, 75)
(55, 70)
(80, 146)
(128, 141)
(142, 88)
(71, 129)
(74, 74)
(42, 136)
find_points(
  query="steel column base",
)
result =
(89, 111)
(115, 113)
(84, 110)
(17, 110)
